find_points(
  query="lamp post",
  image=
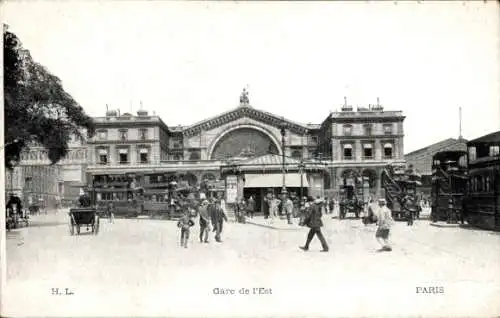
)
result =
(301, 170)
(283, 133)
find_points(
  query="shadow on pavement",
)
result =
(477, 229)
(46, 224)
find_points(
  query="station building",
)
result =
(251, 150)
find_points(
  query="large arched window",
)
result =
(388, 151)
(244, 142)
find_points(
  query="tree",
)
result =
(38, 111)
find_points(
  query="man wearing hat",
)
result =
(314, 222)
(384, 223)
(204, 221)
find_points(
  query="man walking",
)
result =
(251, 206)
(384, 223)
(288, 207)
(218, 217)
(204, 221)
(314, 222)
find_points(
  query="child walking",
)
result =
(184, 224)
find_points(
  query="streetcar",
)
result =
(449, 185)
(482, 201)
(402, 188)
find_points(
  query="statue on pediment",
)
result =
(244, 100)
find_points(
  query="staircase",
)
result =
(444, 181)
(392, 191)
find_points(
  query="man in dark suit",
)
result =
(314, 222)
(218, 217)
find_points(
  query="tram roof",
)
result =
(490, 138)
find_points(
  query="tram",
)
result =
(482, 201)
(120, 190)
(449, 185)
(402, 188)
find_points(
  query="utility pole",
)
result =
(460, 123)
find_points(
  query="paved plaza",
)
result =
(136, 268)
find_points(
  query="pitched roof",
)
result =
(269, 159)
(436, 146)
(242, 111)
(493, 137)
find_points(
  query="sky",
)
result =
(187, 61)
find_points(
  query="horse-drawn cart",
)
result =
(84, 216)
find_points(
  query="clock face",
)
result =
(244, 142)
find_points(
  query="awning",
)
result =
(123, 151)
(274, 180)
(143, 150)
(103, 152)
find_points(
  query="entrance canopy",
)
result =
(273, 180)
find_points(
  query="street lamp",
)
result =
(283, 133)
(301, 170)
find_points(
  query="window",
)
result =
(143, 155)
(388, 151)
(347, 130)
(494, 151)
(297, 154)
(368, 129)
(102, 134)
(347, 152)
(143, 134)
(388, 129)
(314, 140)
(487, 184)
(472, 153)
(123, 134)
(123, 156)
(367, 151)
(103, 156)
(177, 157)
(195, 155)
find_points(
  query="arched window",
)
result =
(388, 153)
(347, 149)
(195, 155)
(367, 151)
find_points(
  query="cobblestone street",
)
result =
(136, 268)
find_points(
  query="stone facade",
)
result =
(145, 144)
